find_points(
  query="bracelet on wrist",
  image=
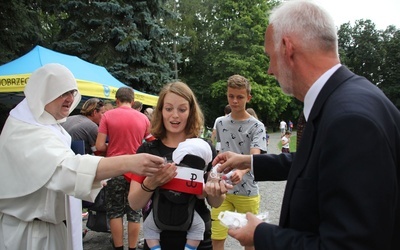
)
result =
(146, 188)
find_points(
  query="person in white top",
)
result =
(286, 142)
(40, 172)
(282, 127)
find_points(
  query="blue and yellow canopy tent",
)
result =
(93, 80)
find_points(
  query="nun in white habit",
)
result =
(40, 173)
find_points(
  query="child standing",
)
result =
(241, 133)
(286, 142)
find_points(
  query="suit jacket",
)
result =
(343, 182)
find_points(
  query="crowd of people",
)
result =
(343, 182)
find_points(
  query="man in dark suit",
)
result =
(343, 183)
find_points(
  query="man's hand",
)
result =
(245, 235)
(230, 160)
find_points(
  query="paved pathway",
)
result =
(271, 198)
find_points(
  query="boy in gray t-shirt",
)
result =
(240, 137)
(238, 132)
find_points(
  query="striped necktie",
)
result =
(301, 123)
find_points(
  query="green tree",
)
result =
(195, 21)
(127, 37)
(228, 39)
(374, 54)
(362, 50)
(390, 82)
(20, 28)
(240, 50)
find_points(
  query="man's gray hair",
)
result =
(306, 20)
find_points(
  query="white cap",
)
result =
(193, 146)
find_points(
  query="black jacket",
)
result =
(343, 182)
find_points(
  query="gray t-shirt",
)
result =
(240, 137)
(82, 128)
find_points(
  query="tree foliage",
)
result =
(374, 54)
(202, 42)
(229, 39)
(20, 29)
(127, 37)
(390, 80)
